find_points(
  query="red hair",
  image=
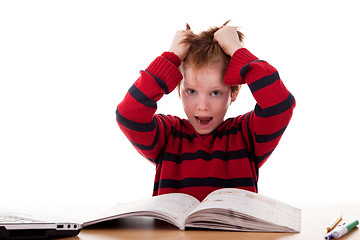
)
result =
(204, 51)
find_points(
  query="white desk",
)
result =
(315, 218)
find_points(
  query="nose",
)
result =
(203, 103)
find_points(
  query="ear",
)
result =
(178, 89)
(235, 89)
(234, 95)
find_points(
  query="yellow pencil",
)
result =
(334, 223)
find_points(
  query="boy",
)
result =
(205, 153)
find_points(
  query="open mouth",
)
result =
(203, 120)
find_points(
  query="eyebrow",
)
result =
(217, 87)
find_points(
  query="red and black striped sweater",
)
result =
(231, 156)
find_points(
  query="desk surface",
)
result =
(314, 219)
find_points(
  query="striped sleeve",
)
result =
(136, 116)
(265, 125)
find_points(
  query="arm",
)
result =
(136, 116)
(265, 125)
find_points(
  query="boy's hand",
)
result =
(228, 39)
(179, 48)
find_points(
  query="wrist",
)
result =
(235, 48)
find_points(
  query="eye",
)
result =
(215, 93)
(191, 91)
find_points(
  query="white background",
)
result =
(65, 65)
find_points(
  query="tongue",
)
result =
(204, 120)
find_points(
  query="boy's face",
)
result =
(205, 97)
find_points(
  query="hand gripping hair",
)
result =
(204, 51)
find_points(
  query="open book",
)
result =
(223, 209)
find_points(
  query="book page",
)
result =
(173, 208)
(254, 206)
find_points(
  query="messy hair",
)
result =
(204, 51)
